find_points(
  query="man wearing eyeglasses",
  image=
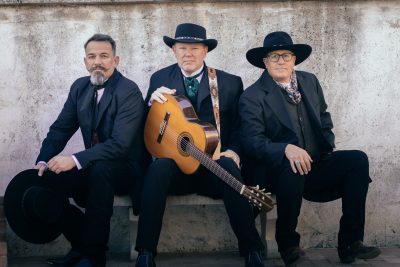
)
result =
(287, 136)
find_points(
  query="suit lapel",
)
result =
(204, 89)
(103, 104)
(86, 107)
(176, 79)
(107, 96)
(303, 85)
(275, 100)
(86, 112)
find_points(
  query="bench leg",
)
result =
(133, 225)
(268, 226)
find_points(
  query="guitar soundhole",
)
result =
(184, 142)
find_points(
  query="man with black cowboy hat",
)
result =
(108, 109)
(189, 77)
(287, 134)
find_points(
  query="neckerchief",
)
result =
(291, 88)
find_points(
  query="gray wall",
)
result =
(355, 55)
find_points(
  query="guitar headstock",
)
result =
(259, 198)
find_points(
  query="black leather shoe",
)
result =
(357, 250)
(293, 256)
(145, 259)
(85, 262)
(69, 259)
(254, 259)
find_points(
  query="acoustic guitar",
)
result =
(174, 131)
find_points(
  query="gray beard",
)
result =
(97, 78)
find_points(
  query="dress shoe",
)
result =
(145, 259)
(85, 262)
(357, 250)
(293, 256)
(254, 259)
(69, 259)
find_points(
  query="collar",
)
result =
(194, 73)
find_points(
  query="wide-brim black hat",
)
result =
(190, 33)
(33, 211)
(277, 41)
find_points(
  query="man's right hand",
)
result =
(41, 167)
(299, 159)
(157, 95)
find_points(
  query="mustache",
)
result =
(97, 68)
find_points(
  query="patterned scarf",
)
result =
(291, 89)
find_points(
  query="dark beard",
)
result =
(97, 78)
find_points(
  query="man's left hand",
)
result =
(61, 164)
(232, 155)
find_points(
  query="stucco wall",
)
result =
(355, 55)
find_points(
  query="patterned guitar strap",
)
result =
(212, 80)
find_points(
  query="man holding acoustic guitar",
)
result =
(183, 144)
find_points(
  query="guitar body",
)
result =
(170, 125)
(174, 131)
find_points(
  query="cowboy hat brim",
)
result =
(210, 43)
(37, 232)
(256, 55)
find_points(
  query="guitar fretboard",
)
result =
(211, 165)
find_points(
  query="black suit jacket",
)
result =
(230, 87)
(266, 126)
(119, 123)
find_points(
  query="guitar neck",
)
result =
(215, 168)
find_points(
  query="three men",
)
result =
(108, 108)
(286, 132)
(287, 135)
(189, 76)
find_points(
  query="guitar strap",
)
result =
(212, 80)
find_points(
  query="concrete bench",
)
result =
(267, 223)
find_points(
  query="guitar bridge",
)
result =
(163, 126)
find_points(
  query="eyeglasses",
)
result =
(274, 57)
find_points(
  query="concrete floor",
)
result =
(390, 257)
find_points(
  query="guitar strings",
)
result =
(211, 165)
(203, 158)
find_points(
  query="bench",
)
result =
(267, 223)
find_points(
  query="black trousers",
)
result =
(163, 177)
(92, 188)
(340, 174)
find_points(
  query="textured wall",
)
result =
(355, 55)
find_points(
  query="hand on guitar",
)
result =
(232, 155)
(157, 95)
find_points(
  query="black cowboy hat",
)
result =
(190, 33)
(33, 212)
(277, 41)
